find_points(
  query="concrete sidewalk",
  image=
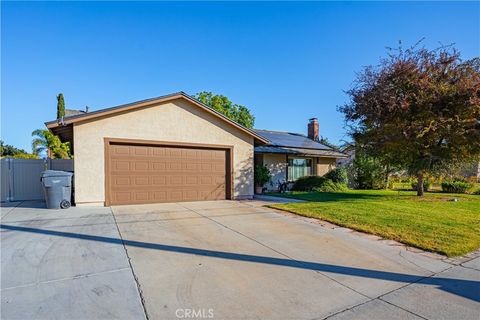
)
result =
(226, 259)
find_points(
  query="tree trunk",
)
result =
(420, 184)
(387, 176)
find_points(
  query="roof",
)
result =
(294, 143)
(301, 151)
(60, 127)
(288, 139)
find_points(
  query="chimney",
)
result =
(313, 131)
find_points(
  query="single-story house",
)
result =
(290, 156)
(174, 148)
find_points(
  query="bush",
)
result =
(455, 186)
(426, 185)
(308, 183)
(330, 186)
(338, 175)
(261, 175)
(320, 184)
(366, 173)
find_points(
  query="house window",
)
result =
(299, 167)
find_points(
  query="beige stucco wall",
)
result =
(324, 165)
(176, 121)
(277, 165)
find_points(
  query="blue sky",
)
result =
(287, 62)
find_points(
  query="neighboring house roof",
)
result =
(295, 144)
(64, 130)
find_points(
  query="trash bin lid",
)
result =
(56, 173)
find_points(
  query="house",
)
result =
(290, 156)
(168, 149)
(349, 151)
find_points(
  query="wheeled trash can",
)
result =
(57, 186)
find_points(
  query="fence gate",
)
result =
(20, 178)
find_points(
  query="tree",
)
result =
(45, 141)
(324, 141)
(222, 104)
(367, 172)
(10, 151)
(419, 109)
(60, 106)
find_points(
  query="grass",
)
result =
(433, 222)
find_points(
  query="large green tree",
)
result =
(10, 151)
(419, 109)
(45, 141)
(60, 106)
(222, 104)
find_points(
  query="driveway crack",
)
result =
(137, 282)
(11, 209)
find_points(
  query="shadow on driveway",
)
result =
(465, 288)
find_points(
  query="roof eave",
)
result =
(145, 103)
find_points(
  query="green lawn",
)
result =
(432, 223)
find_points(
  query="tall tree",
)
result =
(10, 151)
(45, 141)
(222, 104)
(418, 108)
(60, 106)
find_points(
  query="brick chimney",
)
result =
(313, 131)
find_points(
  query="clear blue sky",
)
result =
(286, 61)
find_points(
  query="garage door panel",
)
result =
(159, 180)
(159, 196)
(174, 166)
(141, 181)
(141, 165)
(121, 165)
(147, 174)
(125, 196)
(159, 166)
(121, 181)
(120, 150)
(141, 151)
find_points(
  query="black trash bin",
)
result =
(57, 186)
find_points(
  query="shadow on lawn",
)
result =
(466, 288)
(341, 196)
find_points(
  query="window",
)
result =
(298, 167)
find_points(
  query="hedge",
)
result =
(455, 186)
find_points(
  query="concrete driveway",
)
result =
(223, 260)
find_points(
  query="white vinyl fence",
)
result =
(20, 178)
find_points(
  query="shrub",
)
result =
(338, 175)
(330, 186)
(366, 172)
(320, 184)
(308, 183)
(426, 185)
(261, 175)
(455, 186)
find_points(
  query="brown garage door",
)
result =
(147, 174)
